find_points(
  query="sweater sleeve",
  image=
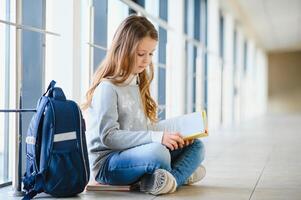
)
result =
(106, 105)
(165, 125)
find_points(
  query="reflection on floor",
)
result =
(259, 159)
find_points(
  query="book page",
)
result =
(187, 125)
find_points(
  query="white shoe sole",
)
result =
(149, 183)
(196, 176)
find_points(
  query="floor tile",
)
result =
(256, 160)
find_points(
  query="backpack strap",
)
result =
(30, 195)
(37, 188)
(32, 180)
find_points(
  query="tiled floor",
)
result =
(256, 160)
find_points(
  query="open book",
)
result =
(190, 126)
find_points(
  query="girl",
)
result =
(125, 145)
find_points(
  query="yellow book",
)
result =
(190, 126)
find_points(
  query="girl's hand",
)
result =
(188, 142)
(172, 140)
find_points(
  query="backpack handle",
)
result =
(55, 92)
(50, 86)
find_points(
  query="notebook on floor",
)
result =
(94, 186)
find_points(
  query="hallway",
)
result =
(238, 60)
(257, 160)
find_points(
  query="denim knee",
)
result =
(158, 156)
(198, 144)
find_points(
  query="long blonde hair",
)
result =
(121, 57)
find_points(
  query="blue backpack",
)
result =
(56, 151)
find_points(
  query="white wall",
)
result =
(117, 12)
(214, 66)
(175, 70)
(238, 79)
(62, 61)
(261, 77)
(85, 49)
(227, 104)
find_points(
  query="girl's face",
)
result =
(144, 54)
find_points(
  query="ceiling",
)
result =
(277, 23)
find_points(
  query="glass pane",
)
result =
(190, 73)
(162, 57)
(245, 56)
(161, 113)
(152, 7)
(162, 86)
(161, 92)
(2, 81)
(7, 88)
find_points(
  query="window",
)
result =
(221, 54)
(32, 63)
(195, 29)
(20, 66)
(158, 9)
(245, 56)
(234, 73)
(102, 37)
(152, 7)
(139, 2)
(190, 57)
(221, 36)
(204, 40)
(162, 61)
(234, 48)
(7, 89)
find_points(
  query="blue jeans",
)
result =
(128, 166)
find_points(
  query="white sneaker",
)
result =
(197, 175)
(160, 182)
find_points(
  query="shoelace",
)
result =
(160, 179)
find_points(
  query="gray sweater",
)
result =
(116, 121)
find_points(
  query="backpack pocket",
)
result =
(65, 175)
